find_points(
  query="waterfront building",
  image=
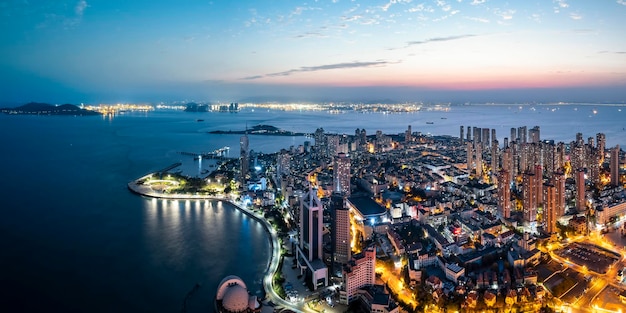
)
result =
(233, 297)
(614, 166)
(309, 253)
(244, 157)
(341, 174)
(408, 135)
(461, 134)
(533, 133)
(359, 272)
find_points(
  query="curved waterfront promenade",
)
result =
(275, 244)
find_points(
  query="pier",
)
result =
(215, 154)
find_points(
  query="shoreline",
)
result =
(275, 256)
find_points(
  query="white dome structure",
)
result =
(232, 297)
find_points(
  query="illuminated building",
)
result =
(341, 228)
(533, 133)
(530, 197)
(581, 201)
(358, 273)
(615, 166)
(470, 156)
(504, 193)
(341, 174)
(244, 158)
(232, 297)
(461, 134)
(558, 181)
(539, 184)
(479, 160)
(549, 208)
(408, 135)
(309, 252)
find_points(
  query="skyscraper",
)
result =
(408, 135)
(549, 208)
(558, 180)
(309, 252)
(340, 229)
(461, 135)
(615, 166)
(533, 133)
(581, 200)
(504, 193)
(244, 158)
(529, 202)
(341, 174)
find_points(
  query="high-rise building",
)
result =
(581, 199)
(309, 253)
(615, 166)
(341, 174)
(469, 133)
(539, 184)
(601, 141)
(549, 208)
(521, 134)
(533, 133)
(529, 202)
(461, 134)
(244, 158)
(558, 181)
(514, 136)
(504, 193)
(485, 138)
(358, 273)
(408, 135)
(495, 160)
(479, 159)
(469, 150)
(340, 229)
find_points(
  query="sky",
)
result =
(328, 50)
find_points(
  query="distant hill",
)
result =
(48, 109)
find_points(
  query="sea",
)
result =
(73, 238)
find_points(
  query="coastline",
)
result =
(275, 256)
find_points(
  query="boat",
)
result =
(430, 122)
(199, 120)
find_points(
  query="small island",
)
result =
(34, 108)
(259, 130)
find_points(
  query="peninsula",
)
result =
(34, 108)
(259, 130)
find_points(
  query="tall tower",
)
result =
(539, 184)
(479, 159)
(461, 134)
(470, 156)
(341, 229)
(530, 197)
(601, 141)
(311, 223)
(533, 133)
(615, 166)
(244, 157)
(558, 180)
(549, 208)
(581, 201)
(504, 193)
(408, 135)
(341, 174)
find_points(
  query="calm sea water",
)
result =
(73, 238)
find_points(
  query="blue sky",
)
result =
(455, 50)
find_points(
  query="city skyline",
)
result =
(453, 51)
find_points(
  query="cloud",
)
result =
(311, 35)
(622, 2)
(80, 7)
(504, 14)
(478, 19)
(575, 16)
(477, 2)
(438, 39)
(323, 68)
